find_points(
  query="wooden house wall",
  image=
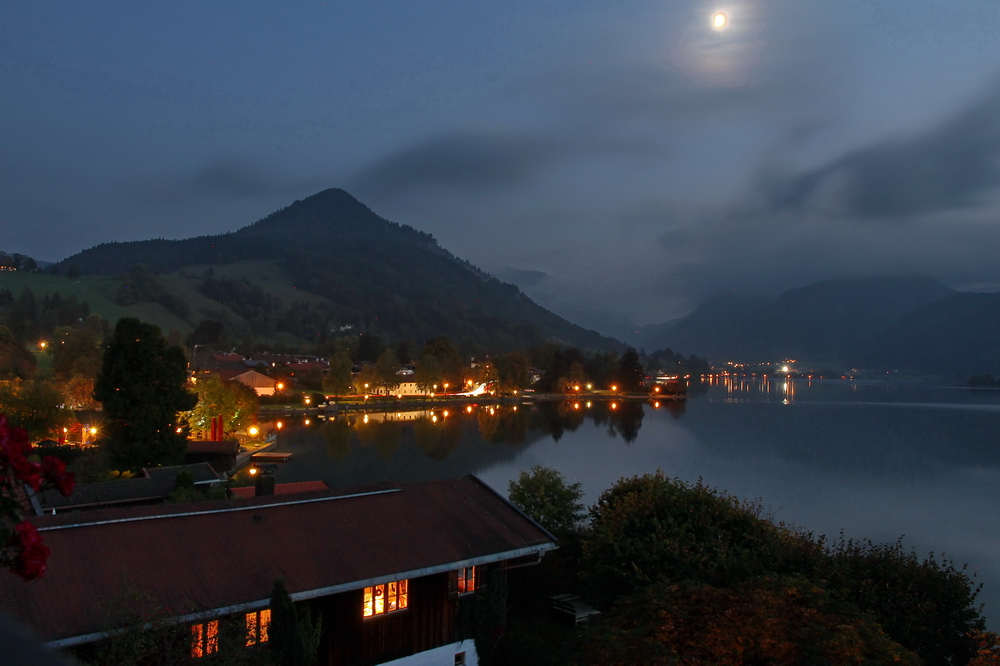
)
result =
(350, 639)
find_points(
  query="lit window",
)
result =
(466, 580)
(204, 639)
(388, 598)
(258, 623)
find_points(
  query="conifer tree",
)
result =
(142, 386)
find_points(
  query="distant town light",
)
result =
(253, 470)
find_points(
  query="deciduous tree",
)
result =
(236, 403)
(338, 377)
(544, 495)
(36, 406)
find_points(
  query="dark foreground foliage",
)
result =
(686, 574)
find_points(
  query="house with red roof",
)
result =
(386, 567)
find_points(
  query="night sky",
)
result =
(615, 158)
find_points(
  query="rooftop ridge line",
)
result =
(134, 519)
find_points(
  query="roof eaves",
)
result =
(324, 591)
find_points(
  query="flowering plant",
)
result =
(21, 546)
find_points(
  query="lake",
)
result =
(878, 460)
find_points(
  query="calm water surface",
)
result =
(876, 460)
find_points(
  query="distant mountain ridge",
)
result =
(373, 274)
(886, 323)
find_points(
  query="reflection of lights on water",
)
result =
(365, 419)
(279, 425)
(253, 470)
(468, 409)
(656, 405)
(589, 405)
(576, 405)
(308, 422)
(434, 419)
(614, 405)
(445, 413)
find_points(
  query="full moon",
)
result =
(719, 20)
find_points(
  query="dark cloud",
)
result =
(951, 166)
(466, 159)
(481, 160)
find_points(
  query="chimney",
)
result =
(264, 481)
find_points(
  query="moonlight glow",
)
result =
(719, 20)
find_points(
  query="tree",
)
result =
(142, 386)
(338, 377)
(36, 406)
(448, 358)
(512, 371)
(387, 371)
(369, 348)
(16, 362)
(544, 495)
(927, 605)
(75, 351)
(630, 372)
(779, 621)
(294, 635)
(236, 403)
(649, 528)
(366, 381)
(428, 374)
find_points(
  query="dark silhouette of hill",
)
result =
(827, 320)
(377, 275)
(958, 335)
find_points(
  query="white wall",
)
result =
(442, 656)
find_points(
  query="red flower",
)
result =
(56, 474)
(13, 441)
(30, 561)
(28, 472)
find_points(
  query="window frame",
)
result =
(257, 624)
(385, 599)
(204, 639)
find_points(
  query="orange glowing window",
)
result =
(387, 598)
(466, 580)
(204, 639)
(258, 623)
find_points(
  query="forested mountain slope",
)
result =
(352, 268)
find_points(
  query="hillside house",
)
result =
(386, 568)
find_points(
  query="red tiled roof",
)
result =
(284, 489)
(216, 555)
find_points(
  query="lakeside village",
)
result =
(127, 525)
(129, 543)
